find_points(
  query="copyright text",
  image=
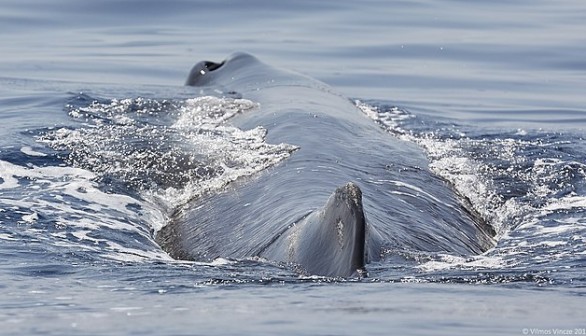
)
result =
(554, 331)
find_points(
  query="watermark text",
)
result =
(554, 331)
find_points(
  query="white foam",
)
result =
(7, 170)
(566, 203)
(30, 218)
(530, 227)
(169, 151)
(6, 237)
(445, 262)
(29, 151)
(221, 262)
(197, 152)
(391, 118)
(88, 210)
(209, 110)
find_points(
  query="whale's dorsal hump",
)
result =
(331, 240)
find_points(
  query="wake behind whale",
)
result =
(350, 193)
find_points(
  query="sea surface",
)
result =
(493, 92)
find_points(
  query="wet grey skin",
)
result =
(349, 195)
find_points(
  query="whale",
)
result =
(351, 194)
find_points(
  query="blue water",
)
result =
(492, 92)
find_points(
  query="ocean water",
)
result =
(493, 93)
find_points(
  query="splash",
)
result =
(529, 186)
(173, 151)
(101, 189)
(62, 207)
